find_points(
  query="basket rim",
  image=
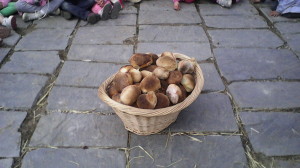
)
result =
(199, 79)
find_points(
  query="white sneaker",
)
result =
(225, 3)
(10, 22)
(32, 16)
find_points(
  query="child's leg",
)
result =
(176, 5)
(117, 6)
(23, 6)
(4, 3)
(9, 22)
(51, 6)
(291, 15)
(9, 10)
(75, 10)
(189, 1)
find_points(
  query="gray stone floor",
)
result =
(248, 114)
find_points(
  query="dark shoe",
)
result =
(115, 10)
(93, 18)
(106, 11)
(65, 14)
(4, 32)
(10, 22)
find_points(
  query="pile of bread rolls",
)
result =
(153, 82)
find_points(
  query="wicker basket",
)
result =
(151, 121)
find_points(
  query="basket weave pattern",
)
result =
(151, 121)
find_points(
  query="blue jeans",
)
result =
(23, 6)
(79, 8)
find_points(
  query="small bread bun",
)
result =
(140, 60)
(188, 82)
(147, 101)
(186, 66)
(162, 101)
(111, 90)
(136, 75)
(161, 73)
(174, 93)
(122, 80)
(130, 94)
(117, 98)
(150, 83)
(175, 77)
(167, 62)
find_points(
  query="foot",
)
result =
(4, 32)
(176, 5)
(10, 22)
(135, 1)
(32, 16)
(257, 1)
(105, 11)
(65, 14)
(115, 10)
(56, 12)
(93, 18)
(225, 3)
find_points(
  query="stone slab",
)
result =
(183, 151)
(43, 62)
(20, 90)
(293, 42)
(76, 73)
(122, 20)
(212, 80)
(159, 5)
(45, 39)
(12, 39)
(245, 38)
(288, 27)
(239, 21)
(128, 8)
(77, 130)
(169, 17)
(266, 94)
(55, 22)
(104, 35)
(200, 51)
(273, 133)
(6, 163)
(21, 24)
(73, 158)
(287, 164)
(102, 53)
(266, 12)
(151, 33)
(241, 8)
(10, 138)
(78, 99)
(3, 53)
(209, 113)
(247, 63)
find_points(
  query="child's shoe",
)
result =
(225, 3)
(65, 14)
(93, 18)
(4, 32)
(10, 22)
(117, 6)
(103, 11)
(32, 16)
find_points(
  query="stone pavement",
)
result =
(248, 114)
